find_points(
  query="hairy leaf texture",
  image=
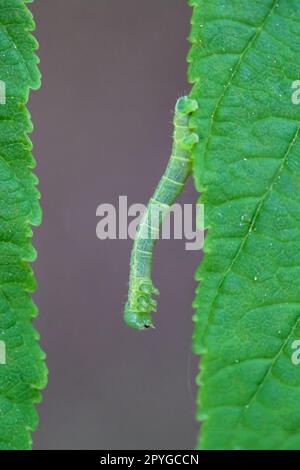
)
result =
(243, 61)
(23, 374)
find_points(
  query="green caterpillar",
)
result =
(140, 303)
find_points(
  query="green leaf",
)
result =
(24, 372)
(243, 61)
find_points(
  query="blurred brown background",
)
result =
(112, 71)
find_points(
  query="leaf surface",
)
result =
(243, 61)
(24, 373)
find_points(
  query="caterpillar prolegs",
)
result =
(140, 304)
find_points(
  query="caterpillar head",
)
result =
(137, 320)
(140, 305)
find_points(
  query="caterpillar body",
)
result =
(141, 304)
